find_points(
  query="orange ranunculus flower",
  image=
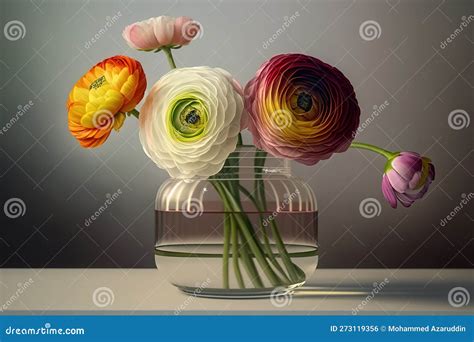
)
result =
(100, 100)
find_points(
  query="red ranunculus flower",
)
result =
(301, 108)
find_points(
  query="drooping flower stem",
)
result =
(369, 147)
(169, 56)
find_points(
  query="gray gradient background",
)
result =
(62, 184)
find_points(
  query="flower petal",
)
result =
(397, 181)
(405, 199)
(190, 121)
(141, 37)
(98, 100)
(413, 183)
(164, 30)
(388, 192)
(301, 108)
(406, 164)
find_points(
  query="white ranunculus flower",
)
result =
(191, 119)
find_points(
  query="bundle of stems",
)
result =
(242, 242)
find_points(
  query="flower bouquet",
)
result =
(231, 220)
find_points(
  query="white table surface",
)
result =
(146, 291)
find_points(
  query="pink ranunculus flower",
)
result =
(407, 178)
(163, 31)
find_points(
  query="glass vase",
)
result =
(248, 231)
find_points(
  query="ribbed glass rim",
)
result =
(247, 155)
(249, 151)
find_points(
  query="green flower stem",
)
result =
(234, 187)
(260, 157)
(267, 245)
(369, 147)
(246, 259)
(235, 252)
(248, 262)
(253, 243)
(250, 227)
(239, 140)
(225, 254)
(169, 56)
(290, 266)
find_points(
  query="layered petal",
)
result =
(163, 31)
(301, 108)
(406, 164)
(407, 178)
(388, 192)
(190, 121)
(99, 100)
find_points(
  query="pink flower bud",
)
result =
(407, 178)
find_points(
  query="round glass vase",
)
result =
(248, 231)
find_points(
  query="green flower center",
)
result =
(187, 118)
